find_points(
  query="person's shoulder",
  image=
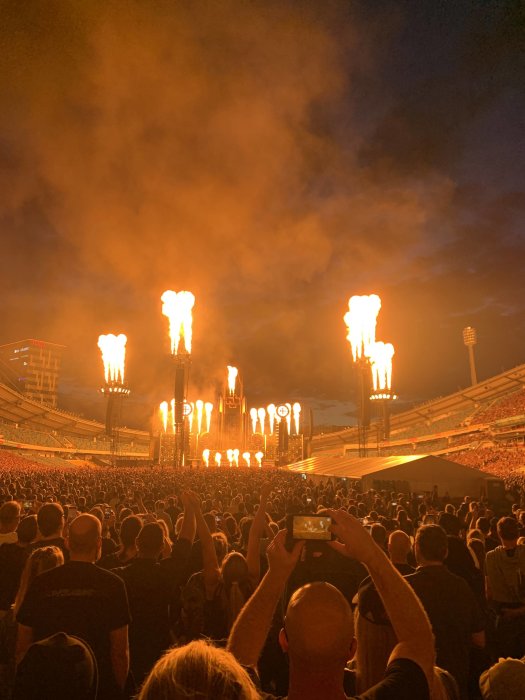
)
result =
(403, 679)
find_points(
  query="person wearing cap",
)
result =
(59, 667)
(318, 632)
(81, 599)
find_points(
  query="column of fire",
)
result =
(178, 307)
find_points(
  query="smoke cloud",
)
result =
(256, 154)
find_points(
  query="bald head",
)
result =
(84, 535)
(399, 546)
(319, 627)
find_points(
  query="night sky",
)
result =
(274, 158)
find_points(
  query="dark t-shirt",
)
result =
(12, 561)
(83, 600)
(454, 614)
(404, 680)
(153, 588)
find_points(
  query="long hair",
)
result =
(199, 671)
(374, 646)
(40, 560)
(237, 586)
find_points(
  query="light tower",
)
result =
(361, 319)
(113, 349)
(178, 307)
(470, 338)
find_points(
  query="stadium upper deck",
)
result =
(476, 409)
(466, 410)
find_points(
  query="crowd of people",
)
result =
(159, 584)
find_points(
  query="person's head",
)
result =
(235, 576)
(506, 679)
(318, 632)
(40, 560)
(431, 545)
(399, 546)
(85, 538)
(475, 534)
(449, 508)
(9, 516)
(508, 530)
(57, 668)
(27, 530)
(220, 543)
(483, 524)
(150, 541)
(129, 530)
(198, 670)
(378, 533)
(50, 520)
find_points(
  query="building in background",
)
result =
(32, 367)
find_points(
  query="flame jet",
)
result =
(258, 457)
(361, 320)
(164, 415)
(296, 416)
(232, 376)
(229, 456)
(289, 417)
(262, 415)
(178, 308)
(208, 408)
(199, 405)
(113, 349)
(218, 458)
(271, 411)
(246, 457)
(253, 416)
(206, 457)
(236, 457)
(381, 361)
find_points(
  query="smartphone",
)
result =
(28, 505)
(393, 504)
(309, 527)
(303, 476)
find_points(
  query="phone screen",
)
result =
(311, 527)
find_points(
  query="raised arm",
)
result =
(188, 528)
(253, 556)
(212, 572)
(403, 607)
(252, 625)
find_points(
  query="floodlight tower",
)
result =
(470, 338)
(381, 355)
(361, 319)
(178, 307)
(113, 349)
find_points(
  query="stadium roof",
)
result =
(16, 408)
(483, 392)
